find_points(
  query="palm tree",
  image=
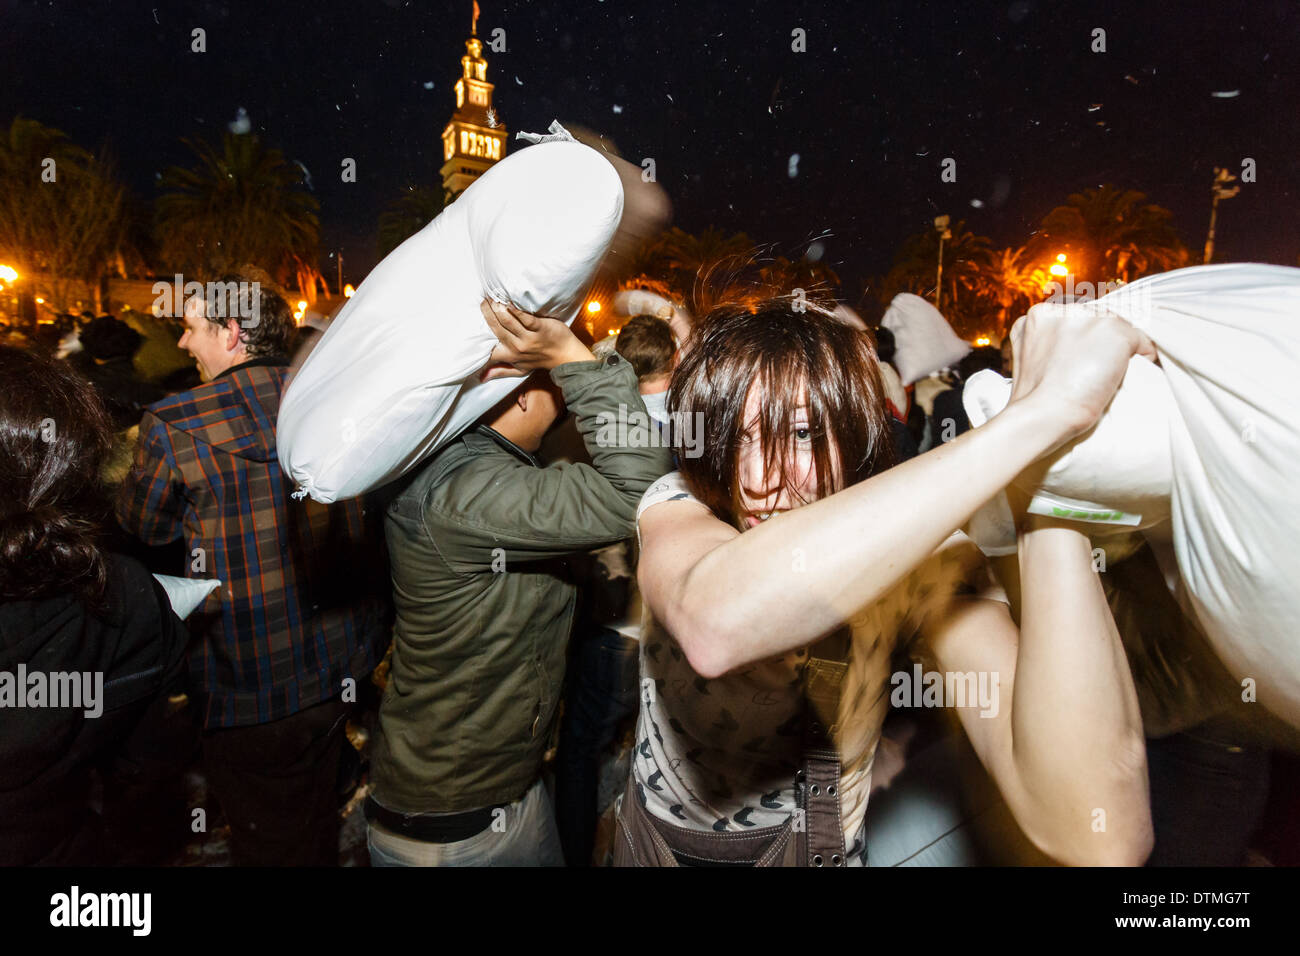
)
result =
(686, 255)
(1012, 281)
(781, 276)
(1116, 234)
(965, 264)
(63, 214)
(241, 204)
(409, 213)
(698, 270)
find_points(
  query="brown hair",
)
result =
(787, 352)
(54, 434)
(265, 321)
(647, 343)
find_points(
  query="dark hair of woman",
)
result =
(799, 358)
(54, 434)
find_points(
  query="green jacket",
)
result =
(484, 606)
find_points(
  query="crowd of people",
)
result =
(533, 594)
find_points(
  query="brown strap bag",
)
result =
(812, 836)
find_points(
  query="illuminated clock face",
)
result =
(479, 145)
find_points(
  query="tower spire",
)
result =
(475, 138)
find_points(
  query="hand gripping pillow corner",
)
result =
(394, 377)
(1215, 423)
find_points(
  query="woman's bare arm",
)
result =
(1062, 733)
(730, 598)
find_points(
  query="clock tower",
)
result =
(475, 138)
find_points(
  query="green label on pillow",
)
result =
(1058, 506)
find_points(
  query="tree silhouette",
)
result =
(966, 258)
(1111, 234)
(1014, 282)
(63, 219)
(409, 213)
(240, 204)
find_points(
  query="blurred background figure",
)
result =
(600, 700)
(647, 343)
(947, 416)
(897, 396)
(108, 347)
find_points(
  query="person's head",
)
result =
(791, 406)
(978, 359)
(54, 434)
(647, 344)
(106, 338)
(237, 320)
(884, 343)
(528, 413)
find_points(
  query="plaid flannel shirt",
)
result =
(303, 593)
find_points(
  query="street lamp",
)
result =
(593, 307)
(8, 276)
(941, 226)
(1221, 191)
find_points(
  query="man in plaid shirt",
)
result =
(299, 618)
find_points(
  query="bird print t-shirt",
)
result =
(722, 754)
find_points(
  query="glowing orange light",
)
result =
(8, 273)
(348, 291)
(302, 305)
(982, 340)
(593, 306)
(1058, 268)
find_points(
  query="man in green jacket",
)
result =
(484, 604)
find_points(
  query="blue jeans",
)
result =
(602, 694)
(524, 835)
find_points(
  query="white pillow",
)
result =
(1083, 476)
(924, 342)
(1215, 424)
(395, 376)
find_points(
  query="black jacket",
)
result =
(46, 753)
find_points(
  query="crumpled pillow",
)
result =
(924, 342)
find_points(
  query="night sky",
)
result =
(713, 92)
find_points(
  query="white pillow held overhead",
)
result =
(395, 376)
